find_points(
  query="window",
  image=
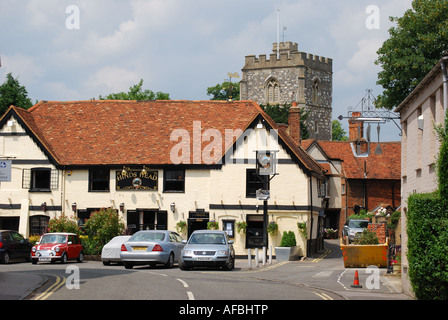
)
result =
(272, 91)
(99, 179)
(316, 93)
(40, 179)
(229, 227)
(253, 183)
(174, 181)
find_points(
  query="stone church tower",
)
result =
(293, 76)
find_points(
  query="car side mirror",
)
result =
(184, 241)
(69, 242)
(230, 241)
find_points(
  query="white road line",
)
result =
(339, 279)
(183, 283)
(190, 295)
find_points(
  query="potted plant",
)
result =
(288, 250)
(272, 228)
(181, 226)
(212, 225)
(241, 227)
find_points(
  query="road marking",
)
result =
(60, 281)
(340, 277)
(323, 295)
(326, 253)
(183, 283)
(323, 274)
(190, 295)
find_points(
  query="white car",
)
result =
(111, 251)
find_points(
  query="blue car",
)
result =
(151, 247)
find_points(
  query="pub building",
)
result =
(158, 163)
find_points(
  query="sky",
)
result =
(66, 50)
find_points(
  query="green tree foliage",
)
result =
(224, 91)
(136, 92)
(279, 113)
(63, 224)
(337, 132)
(288, 239)
(415, 45)
(12, 93)
(442, 162)
(104, 225)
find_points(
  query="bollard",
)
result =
(249, 258)
(270, 254)
(256, 258)
(264, 256)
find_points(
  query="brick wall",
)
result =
(380, 229)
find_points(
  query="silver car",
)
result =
(353, 227)
(208, 248)
(151, 247)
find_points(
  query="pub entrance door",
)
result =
(197, 220)
(147, 219)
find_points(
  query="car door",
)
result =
(176, 245)
(22, 249)
(71, 247)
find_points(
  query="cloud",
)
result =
(113, 78)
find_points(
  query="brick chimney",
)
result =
(355, 128)
(294, 123)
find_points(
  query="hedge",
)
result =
(427, 228)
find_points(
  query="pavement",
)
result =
(17, 286)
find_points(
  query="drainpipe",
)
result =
(445, 82)
(312, 219)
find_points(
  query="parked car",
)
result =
(152, 247)
(208, 248)
(13, 246)
(58, 246)
(111, 251)
(354, 226)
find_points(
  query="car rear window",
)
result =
(358, 224)
(148, 236)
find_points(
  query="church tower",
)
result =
(292, 76)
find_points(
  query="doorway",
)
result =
(147, 219)
(254, 231)
(197, 220)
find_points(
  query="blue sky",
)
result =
(184, 46)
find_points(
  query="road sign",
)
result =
(5, 170)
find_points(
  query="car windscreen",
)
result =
(358, 224)
(53, 238)
(207, 238)
(148, 236)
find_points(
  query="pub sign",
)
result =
(137, 180)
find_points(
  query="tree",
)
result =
(414, 47)
(12, 93)
(280, 113)
(337, 132)
(225, 91)
(137, 93)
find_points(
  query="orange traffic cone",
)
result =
(356, 281)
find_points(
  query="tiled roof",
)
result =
(385, 166)
(111, 132)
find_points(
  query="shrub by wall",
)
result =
(427, 228)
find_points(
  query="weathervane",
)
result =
(231, 75)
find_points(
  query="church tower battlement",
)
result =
(292, 76)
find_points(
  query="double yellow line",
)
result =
(326, 253)
(323, 295)
(60, 281)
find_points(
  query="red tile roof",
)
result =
(111, 132)
(385, 166)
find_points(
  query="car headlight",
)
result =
(222, 252)
(188, 252)
(57, 249)
(33, 249)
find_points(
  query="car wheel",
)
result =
(80, 257)
(230, 265)
(170, 262)
(5, 259)
(128, 265)
(183, 266)
(106, 262)
(64, 258)
(34, 261)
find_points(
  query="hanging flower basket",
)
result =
(212, 225)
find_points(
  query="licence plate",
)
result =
(44, 259)
(204, 258)
(139, 248)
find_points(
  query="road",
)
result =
(322, 277)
